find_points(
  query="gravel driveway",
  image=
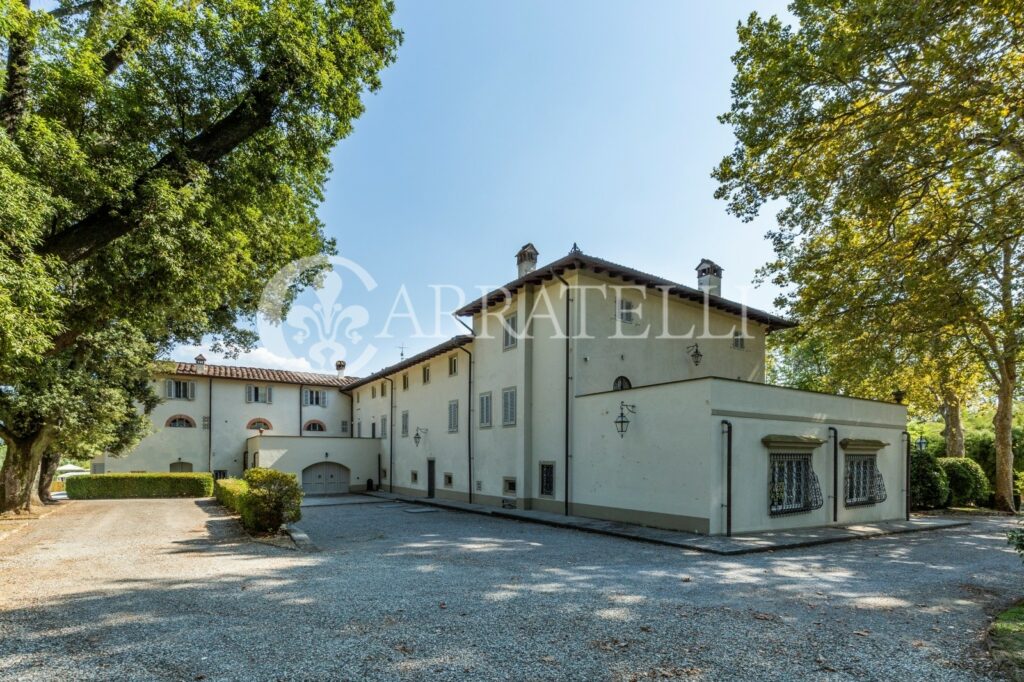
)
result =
(168, 589)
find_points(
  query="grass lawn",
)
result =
(1006, 641)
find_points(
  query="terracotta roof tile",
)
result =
(279, 376)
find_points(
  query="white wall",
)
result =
(292, 454)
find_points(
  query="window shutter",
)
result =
(270, 395)
(323, 398)
(305, 397)
(191, 390)
(169, 388)
(248, 393)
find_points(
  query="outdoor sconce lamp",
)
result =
(417, 437)
(922, 443)
(695, 353)
(622, 421)
(898, 396)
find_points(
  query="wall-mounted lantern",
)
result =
(695, 354)
(622, 421)
(898, 395)
(417, 437)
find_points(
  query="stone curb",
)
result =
(300, 538)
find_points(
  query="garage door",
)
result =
(325, 478)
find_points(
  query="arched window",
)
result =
(259, 424)
(315, 425)
(180, 421)
(621, 384)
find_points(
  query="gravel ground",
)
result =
(169, 589)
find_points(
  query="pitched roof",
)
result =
(579, 260)
(279, 376)
(439, 349)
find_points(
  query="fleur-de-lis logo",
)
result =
(317, 325)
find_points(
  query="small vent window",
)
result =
(547, 480)
(621, 384)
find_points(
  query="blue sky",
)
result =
(527, 120)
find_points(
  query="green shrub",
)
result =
(929, 486)
(230, 492)
(967, 481)
(273, 498)
(115, 486)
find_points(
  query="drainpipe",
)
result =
(835, 473)
(568, 379)
(907, 476)
(469, 424)
(300, 410)
(727, 429)
(391, 434)
(209, 431)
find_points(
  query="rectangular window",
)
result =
(485, 409)
(344, 426)
(359, 397)
(547, 480)
(509, 333)
(405, 382)
(258, 394)
(180, 390)
(453, 365)
(626, 311)
(508, 406)
(739, 342)
(359, 429)
(426, 374)
(383, 390)
(448, 478)
(405, 423)
(220, 474)
(414, 476)
(789, 483)
(453, 416)
(508, 486)
(312, 396)
(384, 428)
(373, 392)
(862, 480)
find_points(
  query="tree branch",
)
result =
(110, 221)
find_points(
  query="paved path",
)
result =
(169, 589)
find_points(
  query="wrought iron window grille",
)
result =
(793, 486)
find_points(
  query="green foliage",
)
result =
(117, 486)
(273, 498)
(967, 482)
(929, 486)
(230, 492)
(1006, 634)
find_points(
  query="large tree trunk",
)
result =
(47, 470)
(954, 426)
(20, 471)
(1003, 422)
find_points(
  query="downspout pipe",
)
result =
(469, 424)
(906, 434)
(568, 380)
(301, 389)
(835, 473)
(727, 430)
(391, 436)
(209, 430)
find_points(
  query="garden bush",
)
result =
(272, 499)
(929, 486)
(967, 481)
(115, 486)
(230, 492)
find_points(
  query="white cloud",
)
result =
(258, 357)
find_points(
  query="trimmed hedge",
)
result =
(117, 486)
(929, 486)
(967, 481)
(265, 499)
(230, 493)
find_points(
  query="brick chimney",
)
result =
(709, 277)
(526, 259)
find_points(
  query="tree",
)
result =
(164, 161)
(894, 133)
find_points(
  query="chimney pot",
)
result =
(526, 259)
(339, 366)
(709, 277)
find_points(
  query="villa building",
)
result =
(585, 388)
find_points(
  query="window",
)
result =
(180, 390)
(792, 485)
(739, 342)
(359, 397)
(453, 365)
(864, 484)
(258, 394)
(448, 480)
(373, 392)
(508, 486)
(315, 425)
(384, 428)
(426, 374)
(405, 423)
(220, 474)
(405, 382)
(485, 409)
(508, 407)
(547, 480)
(621, 384)
(312, 396)
(626, 311)
(414, 476)
(344, 426)
(509, 333)
(181, 467)
(383, 390)
(479, 486)
(359, 429)
(259, 424)
(180, 421)
(453, 416)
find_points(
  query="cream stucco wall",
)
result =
(292, 454)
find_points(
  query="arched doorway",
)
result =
(325, 478)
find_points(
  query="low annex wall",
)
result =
(293, 454)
